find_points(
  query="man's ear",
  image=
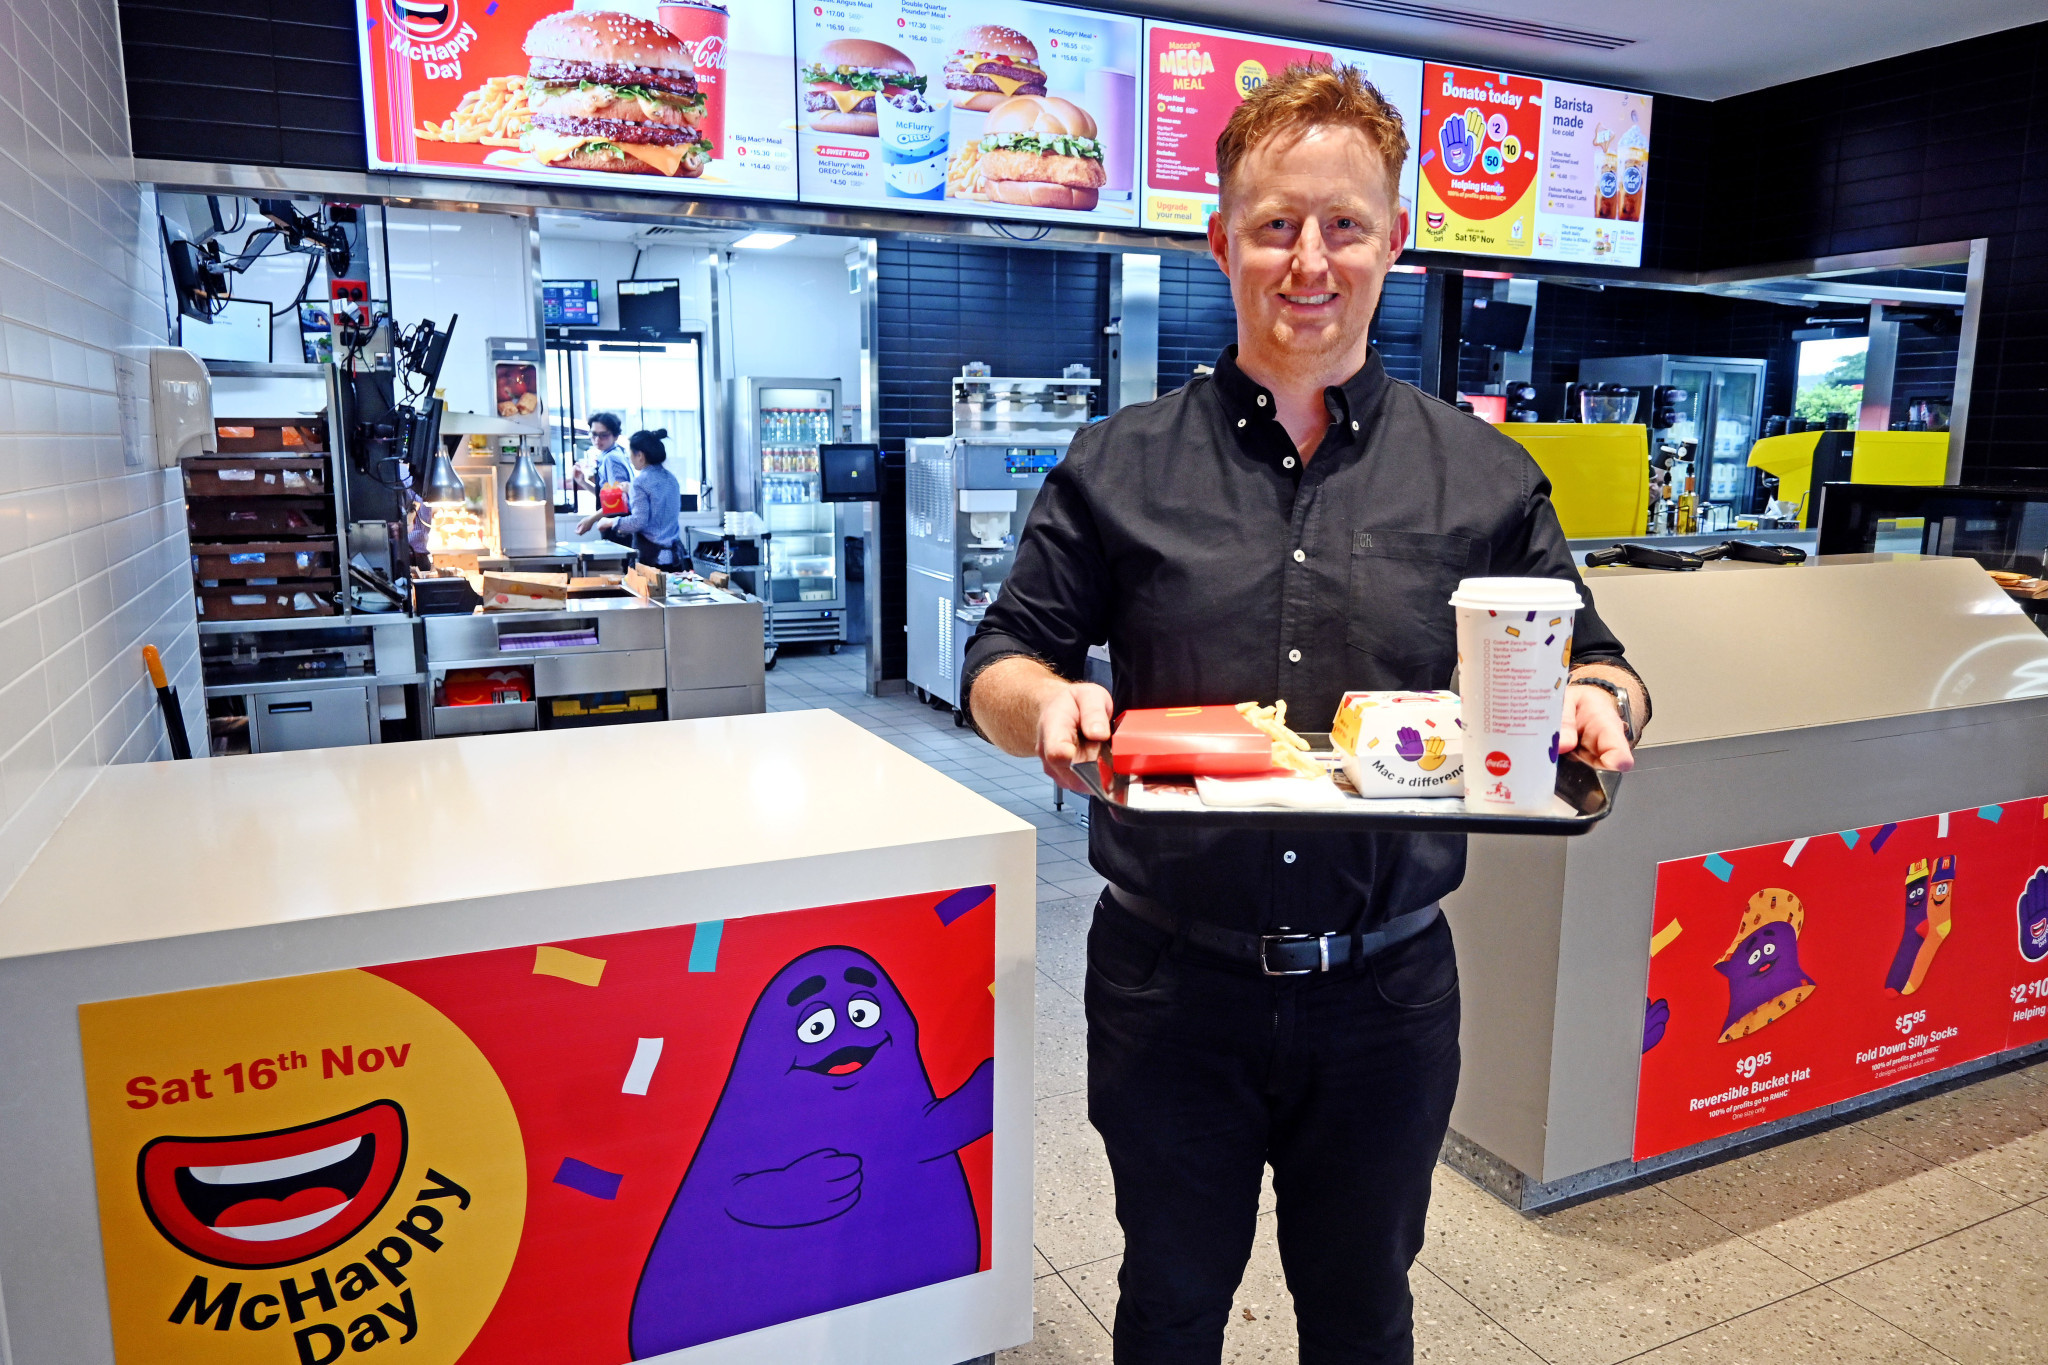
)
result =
(1219, 243)
(1400, 237)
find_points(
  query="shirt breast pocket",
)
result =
(1400, 603)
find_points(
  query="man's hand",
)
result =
(583, 526)
(1073, 727)
(1592, 726)
(1026, 708)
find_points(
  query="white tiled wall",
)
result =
(93, 556)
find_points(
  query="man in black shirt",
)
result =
(1291, 527)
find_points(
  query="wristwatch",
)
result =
(1620, 695)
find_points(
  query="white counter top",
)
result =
(160, 850)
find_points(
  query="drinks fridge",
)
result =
(778, 426)
(1723, 412)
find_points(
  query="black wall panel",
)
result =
(1196, 317)
(247, 82)
(941, 305)
(1943, 145)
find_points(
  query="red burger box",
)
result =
(1194, 741)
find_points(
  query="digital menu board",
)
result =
(996, 108)
(1518, 166)
(1195, 78)
(667, 96)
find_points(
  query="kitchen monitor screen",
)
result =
(849, 472)
(998, 109)
(651, 306)
(1195, 77)
(493, 91)
(569, 303)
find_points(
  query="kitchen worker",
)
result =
(604, 463)
(1291, 526)
(652, 524)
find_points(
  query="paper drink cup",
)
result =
(1514, 651)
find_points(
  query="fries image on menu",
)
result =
(494, 114)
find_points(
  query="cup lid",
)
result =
(1517, 594)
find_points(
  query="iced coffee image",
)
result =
(1635, 171)
(1607, 174)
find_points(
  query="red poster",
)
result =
(577, 1153)
(1196, 79)
(1478, 143)
(1789, 976)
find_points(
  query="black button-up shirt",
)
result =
(1189, 535)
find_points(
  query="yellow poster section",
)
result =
(1443, 228)
(464, 1166)
(1599, 473)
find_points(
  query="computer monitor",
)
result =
(850, 472)
(1497, 324)
(569, 303)
(651, 306)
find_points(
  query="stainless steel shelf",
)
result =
(261, 369)
(308, 623)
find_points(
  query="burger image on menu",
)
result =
(845, 79)
(992, 64)
(613, 92)
(1041, 151)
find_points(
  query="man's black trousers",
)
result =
(1200, 1075)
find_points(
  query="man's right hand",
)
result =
(1073, 727)
(1026, 708)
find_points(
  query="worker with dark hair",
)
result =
(652, 524)
(604, 464)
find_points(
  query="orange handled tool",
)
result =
(167, 701)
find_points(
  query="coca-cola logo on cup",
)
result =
(709, 55)
(1498, 764)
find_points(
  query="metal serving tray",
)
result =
(1585, 797)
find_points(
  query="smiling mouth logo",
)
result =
(1435, 221)
(424, 19)
(271, 1199)
(843, 1061)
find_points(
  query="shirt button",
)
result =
(1294, 656)
(1354, 426)
(1299, 557)
(1288, 856)
(1240, 421)
(1262, 400)
(1287, 463)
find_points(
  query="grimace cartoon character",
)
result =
(2033, 912)
(1762, 965)
(829, 1173)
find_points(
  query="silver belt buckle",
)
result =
(1266, 941)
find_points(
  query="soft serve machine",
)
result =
(966, 500)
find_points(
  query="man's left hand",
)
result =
(1593, 730)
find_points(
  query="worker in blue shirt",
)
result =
(653, 521)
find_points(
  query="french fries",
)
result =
(1290, 751)
(494, 114)
(964, 179)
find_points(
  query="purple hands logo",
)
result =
(1426, 754)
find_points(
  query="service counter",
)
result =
(1847, 765)
(324, 1054)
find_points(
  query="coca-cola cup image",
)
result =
(702, 28)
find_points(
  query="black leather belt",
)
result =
(1279, 954)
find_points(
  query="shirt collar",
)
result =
(1351, 401)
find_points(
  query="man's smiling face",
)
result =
(1308, 226)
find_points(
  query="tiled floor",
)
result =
(1915, 1237)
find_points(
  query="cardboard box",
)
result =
(1208, 741)
(523, 591)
